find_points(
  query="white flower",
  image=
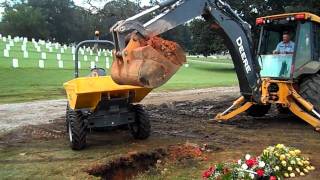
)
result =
(247, 156)
(244, 166)
(261, 164)
(239, 162)
(251, 176)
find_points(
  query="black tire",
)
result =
(258, 110)
(76, 128)
(283, 110)
(141, 128)
(309, 89)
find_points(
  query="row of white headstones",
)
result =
(48, 45)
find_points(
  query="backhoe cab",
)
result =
(285, 73)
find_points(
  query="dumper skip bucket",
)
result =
(147, 63)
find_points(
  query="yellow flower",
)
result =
(297, 151)
(277, 168)
(265, 152)
(280, 146)
(292, 153)
(312, 168)
(302, 174)
(292, 175)
(282, 157)
(298, 170)
(306, 163)
(289, 168)
(300, 163)
(286, 175)
(284, 163)
(305, 170)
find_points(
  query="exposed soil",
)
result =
(187, 117)
(169, 49)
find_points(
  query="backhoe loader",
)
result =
(289, 80)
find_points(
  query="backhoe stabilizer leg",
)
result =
(295, 109)
(226, 115)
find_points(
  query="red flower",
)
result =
(260, 172)
(273, 178)
(251, 162)
(208, 173)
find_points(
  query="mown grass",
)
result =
(28, 84)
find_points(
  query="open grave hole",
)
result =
(129, 166)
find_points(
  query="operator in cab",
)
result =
(286, 46)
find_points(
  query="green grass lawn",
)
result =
(27, 84)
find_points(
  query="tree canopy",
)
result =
(63, 21)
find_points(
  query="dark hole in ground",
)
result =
(128, 167)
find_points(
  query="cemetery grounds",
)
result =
(33, 138)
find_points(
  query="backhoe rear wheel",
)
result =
(258, 110)
(309, 90)
(76, 128)
(141, 128)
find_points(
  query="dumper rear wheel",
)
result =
(140, 129)
(77, 129)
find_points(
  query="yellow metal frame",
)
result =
(308, 16)
(86, 92)
(285, 96)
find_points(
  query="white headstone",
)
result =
(92, 65)
(91, 52)
(85, 58)
(50, 49)
(25, 39)
(4, 39)
(43, 55)
(6, 53)
(62, 50)
(107, 63)
(38, 48)
(60, 64)
(79, 64)
(73, 50)
(0, 35)
(8, 47)
(41, 63)
(23, 47)
(15, 63)
(25, 54)
(186, 65)
(65, 46)
(58, 57)
(11, 43)
(73, 57)
(82, 52)
(56, 45)
(33, 40)
(97, 58)
(99, 53)
(9, 37)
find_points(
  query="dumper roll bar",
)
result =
(76, 67)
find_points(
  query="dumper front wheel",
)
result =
(77, 129)
(140, 129)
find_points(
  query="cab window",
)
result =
(304, 45)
